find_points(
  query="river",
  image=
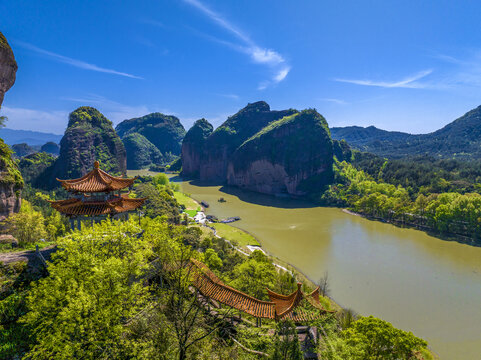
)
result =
(419, 283)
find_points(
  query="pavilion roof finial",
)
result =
(96, 164)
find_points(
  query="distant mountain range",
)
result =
(459, 139)
(31, 138)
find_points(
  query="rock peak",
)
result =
(257, 106)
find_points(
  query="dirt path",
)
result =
(28, 256)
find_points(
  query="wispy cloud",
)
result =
(74, 62)
(410, 82)
(335, 101)
(258, 54)
(465, 71)
(230, 96)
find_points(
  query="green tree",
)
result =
(81, 310)
(286, 342)
(254, 275)
(212, 260)
(377, 339)
(28, 225)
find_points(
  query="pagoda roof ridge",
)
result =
(97, 180)
(75, 207)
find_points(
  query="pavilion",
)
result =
(96, 196)
(280, 307)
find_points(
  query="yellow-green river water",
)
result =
(419, 283)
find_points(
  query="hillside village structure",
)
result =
(96, 196)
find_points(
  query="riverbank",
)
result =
(420, 227)
(415, 281)
(243, 239)
(328, 302)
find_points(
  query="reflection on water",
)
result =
(419, 283)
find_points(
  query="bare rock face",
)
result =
(9, 200)
(193, 147)
(292, 156)
(223, 142)
(11, 181)
(8, 67)
(88, 137)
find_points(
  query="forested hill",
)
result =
(459, 139)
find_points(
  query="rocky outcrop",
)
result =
(50, 148)
(89, 137)
(10, 200)
(293, 155)
(223, 142)
(21, 150)
(141, 153)
(193, 147)
(8, 67)
(11, 181)
(164, 131)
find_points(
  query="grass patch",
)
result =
(191, 213)
(188, 202)
(143, 172)
(232, 233)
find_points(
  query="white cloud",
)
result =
(266, 56)
(257, 53)
(220, 21)
(408, 82)
(281, 75)
(74, 62)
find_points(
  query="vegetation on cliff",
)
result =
(164, 131)
(193, 147)
(20, 150)
(50, 148)
(141, 153)
(9, 172)
(88, 137)
(10, 178)
(300, 144)
(200, 131)
(36, 168)
(223, 142)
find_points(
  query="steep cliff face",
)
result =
(220, 146)
(8, 67)
(11, 181)
(164, 131)
(293, 155)
(89, 137)
(141, 153)
(193, 147)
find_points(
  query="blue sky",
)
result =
(399, 65)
